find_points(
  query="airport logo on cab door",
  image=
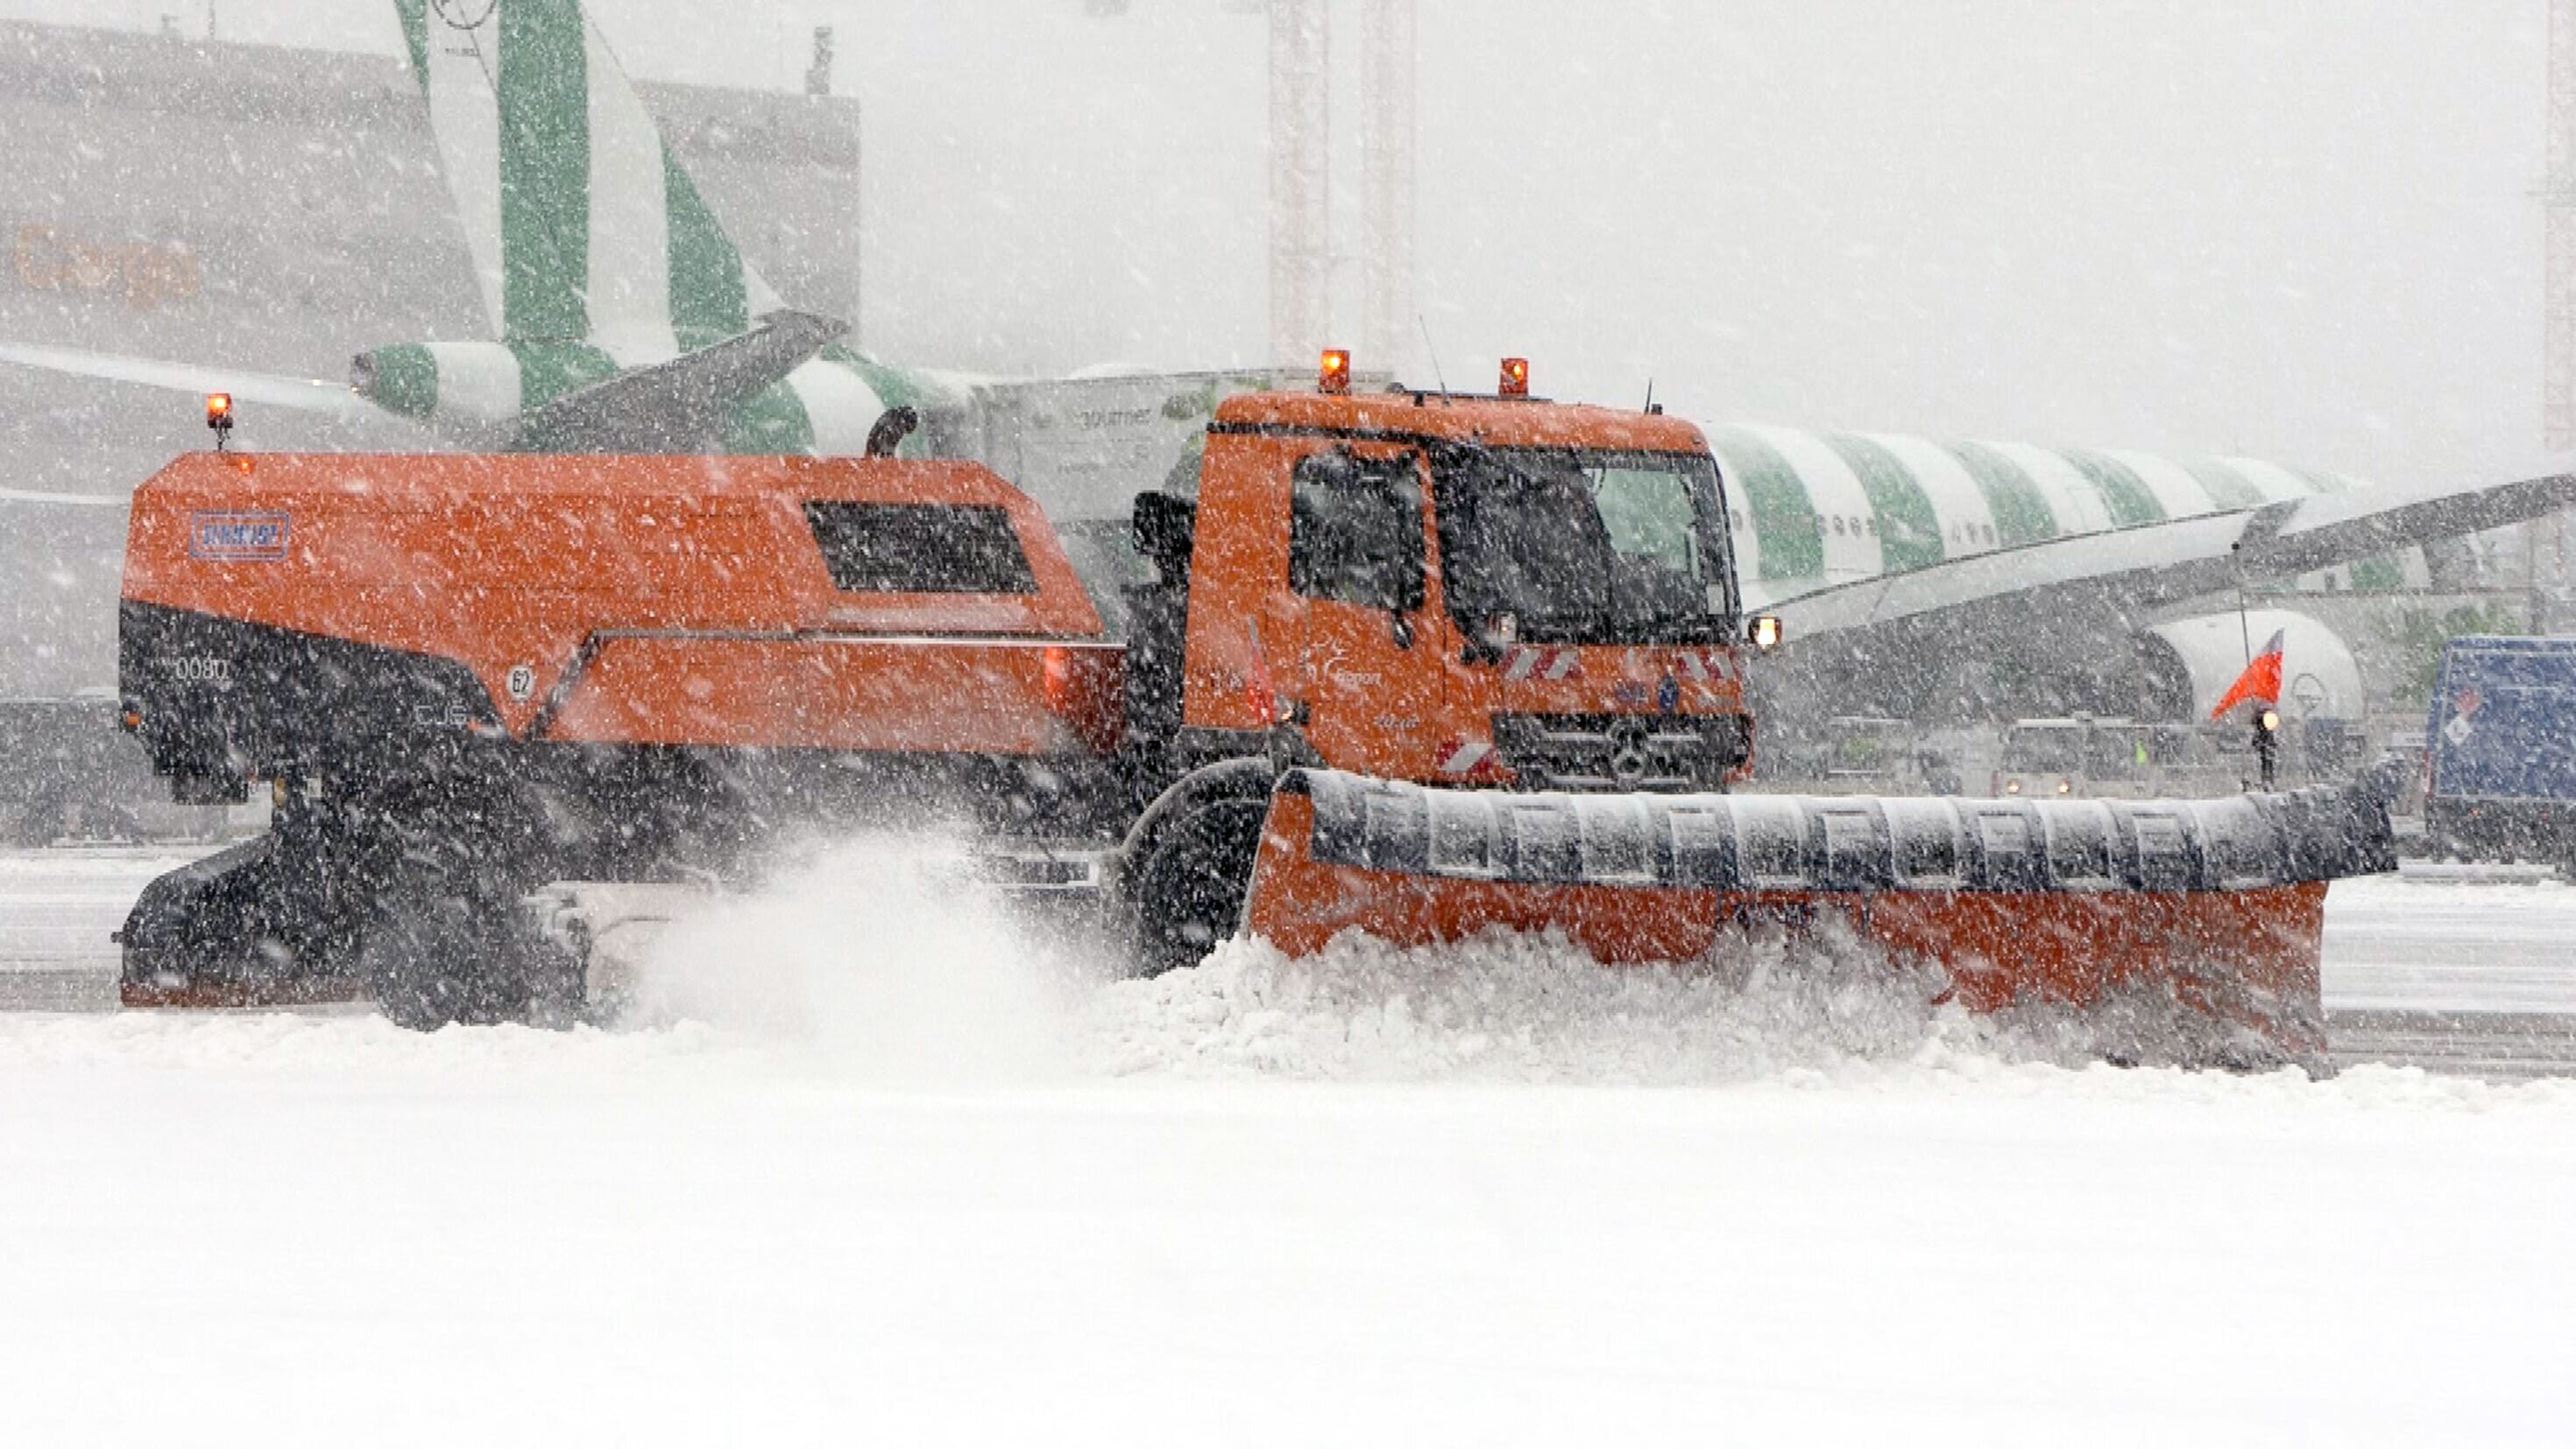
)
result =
(238, 537)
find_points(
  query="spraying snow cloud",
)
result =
(879, 958)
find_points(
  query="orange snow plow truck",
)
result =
(1413, 664)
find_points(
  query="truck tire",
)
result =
(432, 958)
(1186, 894)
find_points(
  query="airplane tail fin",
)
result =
(581, 226)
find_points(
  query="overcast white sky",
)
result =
(2304, 228)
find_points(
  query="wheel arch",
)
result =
(1249, 778)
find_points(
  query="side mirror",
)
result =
(1762, 631)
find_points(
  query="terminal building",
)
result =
(279, 211)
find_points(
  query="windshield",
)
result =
(2049, 749)
(2115, 754)
(1584, 546)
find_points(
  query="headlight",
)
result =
(1764, 632)
(2065, 787)
(2012, 787)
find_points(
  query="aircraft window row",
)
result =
(1862, 526)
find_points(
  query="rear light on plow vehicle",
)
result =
(1058, 667)
(1084, 689)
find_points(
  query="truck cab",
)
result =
(1491, 591)
(2080, 756)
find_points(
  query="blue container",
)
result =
(2500, 735)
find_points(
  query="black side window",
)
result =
(920, 548)
(1355, 531)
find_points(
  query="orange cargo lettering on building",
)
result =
(149, 274)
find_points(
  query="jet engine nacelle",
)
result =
(475, 392)
(2189, 664)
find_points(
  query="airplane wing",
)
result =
(303, 394)
(60, 500)
(2130, 571)
(680, 406)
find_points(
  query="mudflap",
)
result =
(241, 928)
(2213, 907)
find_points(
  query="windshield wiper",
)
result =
(1675, 627)
(1612, 627)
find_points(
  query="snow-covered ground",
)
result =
(2437, 942)
(282, 1230)
(876, 1162)
(57, 908)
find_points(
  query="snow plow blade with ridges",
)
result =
(2215, 905)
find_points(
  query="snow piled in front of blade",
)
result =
(1518, 1008)
(885, 960)
(1513, 1008)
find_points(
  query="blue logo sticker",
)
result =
(238, 537)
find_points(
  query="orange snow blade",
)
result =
(2216, 905)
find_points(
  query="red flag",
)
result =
(2261, 679)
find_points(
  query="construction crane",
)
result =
(1302, 251)
(2558, 402)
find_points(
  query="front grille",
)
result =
(1621, 751)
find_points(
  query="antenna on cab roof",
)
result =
(1425, 324)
